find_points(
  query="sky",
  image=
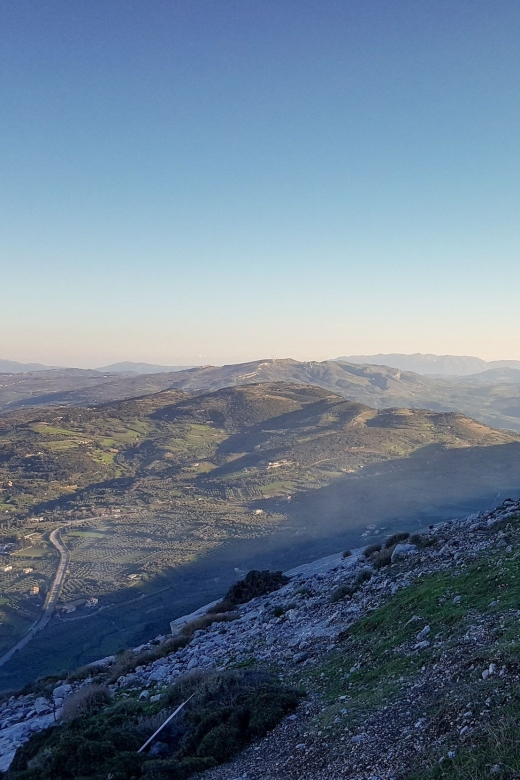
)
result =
(226, 180)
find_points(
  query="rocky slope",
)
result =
(406, 654)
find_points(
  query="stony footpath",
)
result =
(294, 632)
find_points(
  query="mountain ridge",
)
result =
(495, 400)
(431, 364)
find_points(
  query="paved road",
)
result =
(52, 595)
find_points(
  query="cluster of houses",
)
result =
(66, 609)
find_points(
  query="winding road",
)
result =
(53, 594)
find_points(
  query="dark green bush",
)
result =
(255, 583)
(227, 711)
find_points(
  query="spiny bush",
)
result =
(341, 592)
(364, 576)
(400, 536)
(83, 672)
(221, 606)
(422, 540)
(371, 549)
(347, 591)
(85, 701)
(128, 661)
(382, 558)
(204, 621)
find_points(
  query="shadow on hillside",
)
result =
(431, 485)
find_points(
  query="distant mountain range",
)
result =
(13, 367)
(448, 365)
(126, 367)
(492, 396)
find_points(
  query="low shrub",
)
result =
(128, 661)
(341, 592)
(85, 701)
(83, 672)
(400, 536)
(347, 591)
(371, 549)
(204, 621)
(281, 609)
(382, 558)
(347, 554)
(364, 576)
(422, 540)
(221, 606)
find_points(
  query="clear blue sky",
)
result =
(211, 180)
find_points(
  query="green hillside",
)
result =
(492, 397)
(180, 492)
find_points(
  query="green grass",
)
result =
(376, 654)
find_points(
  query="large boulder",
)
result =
(42, 705)
(403, 551)
(61, 692)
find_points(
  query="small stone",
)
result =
(456, 599)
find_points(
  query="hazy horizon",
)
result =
(196, 361)
(215, 183)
